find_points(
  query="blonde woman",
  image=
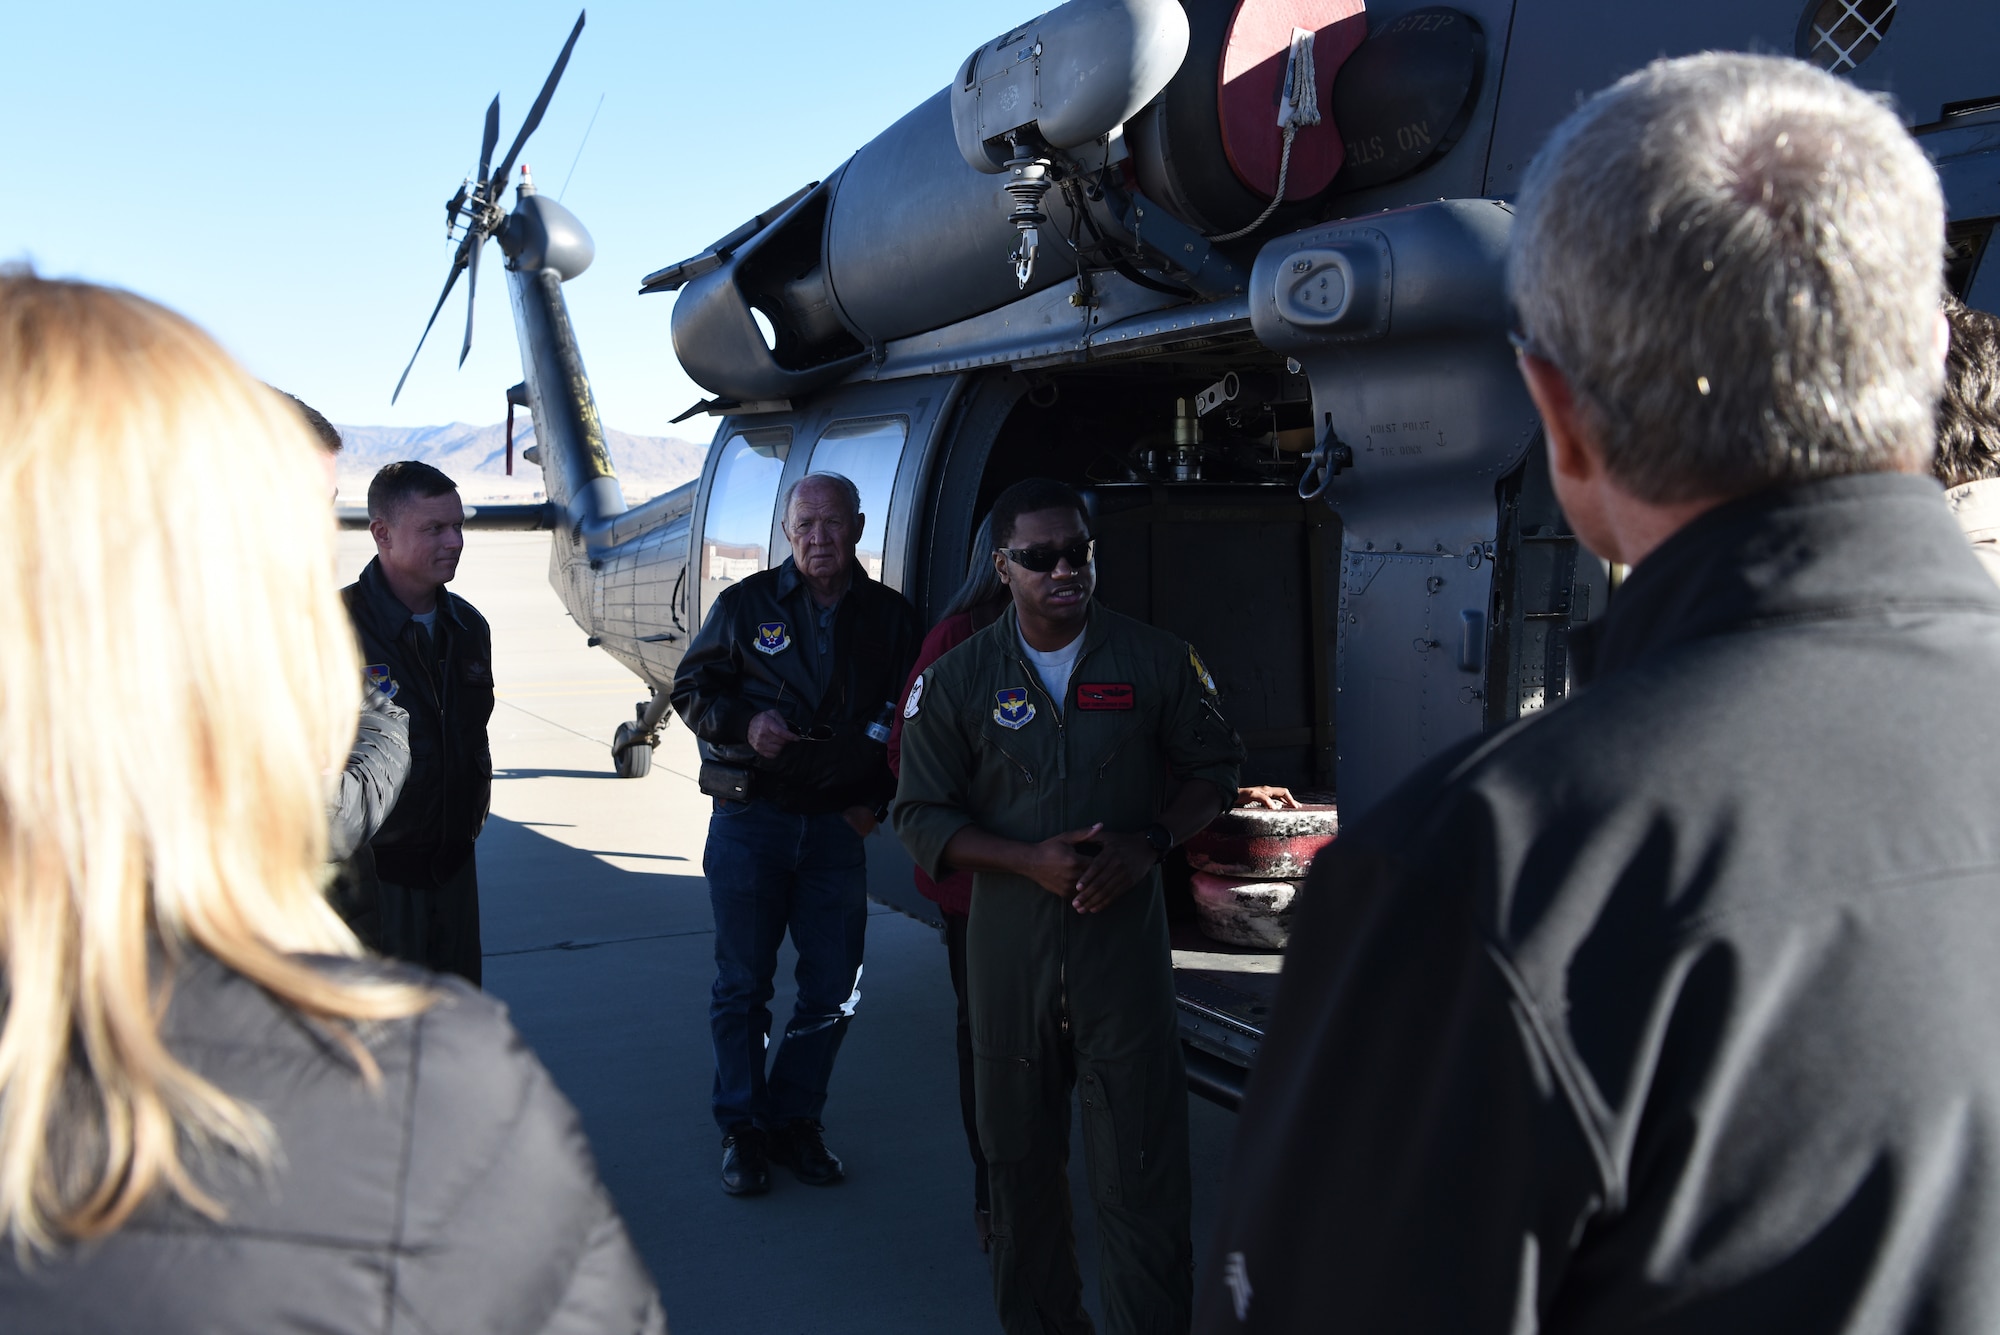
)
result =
(213, 1116)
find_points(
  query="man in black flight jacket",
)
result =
(1672, 1009)
(781, 688)
(428, 650)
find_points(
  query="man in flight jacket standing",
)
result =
(431, 652)
(1672, 1009)
(781, 689)
(1058, 755)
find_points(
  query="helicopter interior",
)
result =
(1200, 527)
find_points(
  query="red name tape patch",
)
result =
(1104, 695)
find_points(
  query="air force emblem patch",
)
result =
(379, 678)
(1012, 708)
(772, 637)
(916, 694)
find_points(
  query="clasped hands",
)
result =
(1091, 879)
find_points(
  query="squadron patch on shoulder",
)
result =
(772, 637)
(1201, 671)
(1012, 708)
(916, 694)
(379, 678)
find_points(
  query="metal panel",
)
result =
(1985, 290)
(1140, 333)
(1967, 157)
(1043, 326)
(1073, 74)
(1564, 50)
(1461, 172)
(1435, 414)
(916, 237)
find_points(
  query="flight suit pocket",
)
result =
(1007, 1096)
(1135, 1124)
(1113, 747)
(1010, 760)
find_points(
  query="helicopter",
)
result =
(1235, 269)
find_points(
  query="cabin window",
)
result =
(736, 530)
(866, 453)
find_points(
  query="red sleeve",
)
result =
(944, 637)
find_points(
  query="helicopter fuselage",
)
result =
(1307, 450)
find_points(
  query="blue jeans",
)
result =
(770, 871)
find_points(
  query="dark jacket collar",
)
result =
(1835, 547)
(790, 580)
(388, 610)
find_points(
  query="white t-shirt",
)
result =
(428, 620)
(1054, 667)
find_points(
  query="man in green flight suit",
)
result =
(1058, 754)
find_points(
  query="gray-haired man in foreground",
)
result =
(1673, 1009)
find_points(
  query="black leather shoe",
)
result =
(798, 1145)
(746, 1164)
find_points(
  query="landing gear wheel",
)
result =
(634, 761)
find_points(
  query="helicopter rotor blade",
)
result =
(541, 103)
(457, 266)
(484, 197)
(471, 294)
(488, 139)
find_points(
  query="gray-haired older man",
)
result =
(1673, 1009)
(780, 689)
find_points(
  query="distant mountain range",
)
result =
(475, 458)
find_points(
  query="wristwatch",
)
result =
(1158, 838)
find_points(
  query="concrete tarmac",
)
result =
(598, 935)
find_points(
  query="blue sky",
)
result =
(278, 172)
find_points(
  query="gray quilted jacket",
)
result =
(459, 1196)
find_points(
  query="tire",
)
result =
(633, 762)
(1263, 845)
(1254, 914)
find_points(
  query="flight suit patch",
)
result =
(1013, 708)
(1104, 695)
(916, 694)
(476, 673)
(1201, 671)
(772, 637)
(379, 678)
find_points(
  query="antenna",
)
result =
(579, 148)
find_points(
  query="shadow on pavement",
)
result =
(607, 974)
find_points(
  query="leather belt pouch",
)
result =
(725, 781)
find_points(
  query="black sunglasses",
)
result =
(1042, 560)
